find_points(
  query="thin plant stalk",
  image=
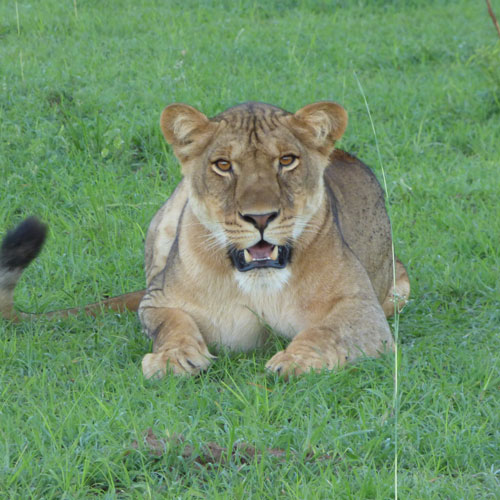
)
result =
(395, 298)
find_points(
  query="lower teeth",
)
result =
(272, 256)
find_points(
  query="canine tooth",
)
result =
(274, 253)
(248, 257)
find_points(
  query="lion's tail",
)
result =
(19, 247)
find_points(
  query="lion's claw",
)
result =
(179, 361)
(288, 363)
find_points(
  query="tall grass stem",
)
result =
(22, 64)
(17, 20)
(396, 313)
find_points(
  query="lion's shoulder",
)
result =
(162, 231)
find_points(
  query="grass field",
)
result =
(82, 87)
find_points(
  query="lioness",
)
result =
(270, 225)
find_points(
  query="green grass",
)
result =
(80, 146)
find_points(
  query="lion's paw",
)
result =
(294, 361)
(179, 361)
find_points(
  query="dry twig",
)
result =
(492, 15)
(212, 453)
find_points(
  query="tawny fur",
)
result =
(333, 297)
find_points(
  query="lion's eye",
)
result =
(287, 160)
(223, 165)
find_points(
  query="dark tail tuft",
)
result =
(22, 244)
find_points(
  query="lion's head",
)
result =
(255, 175)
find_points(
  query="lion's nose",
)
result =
(260, 221)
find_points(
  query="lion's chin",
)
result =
(262, 283)
(260, 256)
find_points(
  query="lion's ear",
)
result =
(324, 122)
(185, 129)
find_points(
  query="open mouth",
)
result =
(261, 255)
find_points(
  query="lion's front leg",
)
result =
(351, 330)
(178, 345)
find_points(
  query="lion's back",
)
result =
(362, 216)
